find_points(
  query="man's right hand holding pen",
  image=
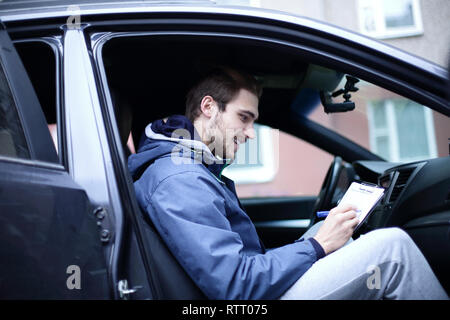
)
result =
(337, 228)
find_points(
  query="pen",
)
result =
(324, 214)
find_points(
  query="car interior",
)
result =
(148, 78)
(165, 76)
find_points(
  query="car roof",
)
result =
(11, 10)
(51, 5)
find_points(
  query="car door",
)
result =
(280, 220)
(50, 242)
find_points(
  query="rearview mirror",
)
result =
(332, 107)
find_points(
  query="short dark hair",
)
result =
(222, 84)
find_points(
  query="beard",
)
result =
(219, 139)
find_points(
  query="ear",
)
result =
(207, 106)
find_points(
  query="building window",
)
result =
(401, 130)
(257, 160)
(390, 19)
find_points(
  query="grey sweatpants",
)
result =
(382, 264)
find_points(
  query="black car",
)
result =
(77, 80)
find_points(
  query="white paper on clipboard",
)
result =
(362, 196)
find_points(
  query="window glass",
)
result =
(398, 13)
(12, 138)
(391, 126)
(39, 61)
(412, 129)
(382, 147)
(387, 18)
(379, 115)
(407, 133)
(256, 160)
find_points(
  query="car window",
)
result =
(277, 164)
(39, 61)
(393, 127)
(12, 138)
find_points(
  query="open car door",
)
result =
(50, 243)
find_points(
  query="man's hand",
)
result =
(337, 228)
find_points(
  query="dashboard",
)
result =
(413, 190)
(417, 199)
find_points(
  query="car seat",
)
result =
(170, 279)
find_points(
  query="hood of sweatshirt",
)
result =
(177, 136)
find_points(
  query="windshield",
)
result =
(391, 126)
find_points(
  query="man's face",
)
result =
(234, 125)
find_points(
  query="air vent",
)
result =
(400, 183)
(385, 181)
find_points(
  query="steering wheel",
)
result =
(325, 197)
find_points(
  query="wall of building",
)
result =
(433, 44)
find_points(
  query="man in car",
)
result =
(196, 211)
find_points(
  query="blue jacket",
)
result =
(197, 213)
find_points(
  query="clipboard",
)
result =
(365, 197)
